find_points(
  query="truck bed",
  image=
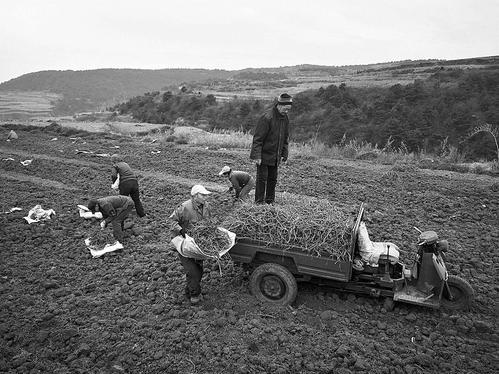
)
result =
(300, 263)
(297, 261)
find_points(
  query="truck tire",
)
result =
(273, 283)
(462, 293)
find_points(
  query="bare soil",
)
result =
(62, 311)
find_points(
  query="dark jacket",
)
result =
(187, 214)
(270, 141)
(112, 206)
(239, 179)
(125, 172)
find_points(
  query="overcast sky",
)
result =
(40, 35)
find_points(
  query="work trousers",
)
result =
(117, 222)
(131, 188)
(266, 180)
(193, 274)
(246, 189)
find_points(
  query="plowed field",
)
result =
(62, 311)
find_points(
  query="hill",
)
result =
(434, 115)
(90, 90)
(95, 89)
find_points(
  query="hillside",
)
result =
(433, 115)
(91, 90)
(94, 89)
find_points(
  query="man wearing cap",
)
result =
(242, 182)
(115, 209)
(128, 185)
(270, 148)
(183, 217)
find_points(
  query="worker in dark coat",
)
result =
(115, 209)
(270, 148)
(129, 184)
(183, 217)
(242, 183)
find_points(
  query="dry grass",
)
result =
(315, 226)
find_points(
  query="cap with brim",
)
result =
(199, 189)
(224, 170)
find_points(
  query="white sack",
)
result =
(87, 214)
(187, 246)
(38, 214)
(370, 251)
(116, 183)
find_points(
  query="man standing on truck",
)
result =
(128, 183)
(183, 217)
(270, 147)
(242, 182)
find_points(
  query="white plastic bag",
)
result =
(371, 251)
(87, 214)
(107, 248)
(187, 246)
(116, 183)
(38, 214)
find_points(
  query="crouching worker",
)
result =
(183, 217)
(128, 183)
(242, 182)
(115, 209)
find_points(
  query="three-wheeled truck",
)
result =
(275, 272)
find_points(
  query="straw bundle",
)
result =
(313, 225)
(208, 237)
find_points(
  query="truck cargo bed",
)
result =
(297, 261)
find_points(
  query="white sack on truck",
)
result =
(371, 251)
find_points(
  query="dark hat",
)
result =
(284, 99)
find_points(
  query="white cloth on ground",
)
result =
(37, 214)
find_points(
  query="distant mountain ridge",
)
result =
(87, 90)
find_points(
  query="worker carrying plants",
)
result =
(242, 182)
(183, 217)
(115, 209)
(128, 182)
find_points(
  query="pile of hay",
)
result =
(208, 237)
(315, 226)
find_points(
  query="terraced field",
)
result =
(15, 105)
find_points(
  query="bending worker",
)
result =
(242, 182)
(129, 184)
(115, 209)
(183, 217)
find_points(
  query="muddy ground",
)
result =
(62, 311)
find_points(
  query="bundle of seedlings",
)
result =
(210, 239)
(315, 226)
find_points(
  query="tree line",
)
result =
(422, 116)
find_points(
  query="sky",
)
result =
(230, 34)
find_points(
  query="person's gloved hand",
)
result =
(103, 225)
(258, 161)
(284, 160)
(182, 232)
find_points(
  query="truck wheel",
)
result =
(461, 291)
(273, 283)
